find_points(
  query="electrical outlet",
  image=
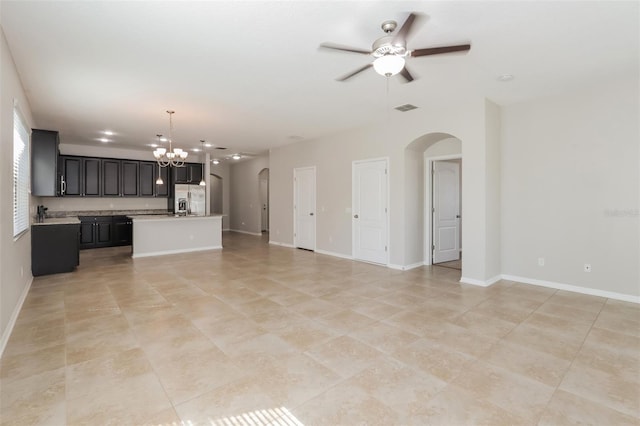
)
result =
(587, 267)
(541, 261)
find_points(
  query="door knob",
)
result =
(310, 214)
(355, 216)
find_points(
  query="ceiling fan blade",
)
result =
(344, 48)
(351, 74)
(440, 50)
(406, 74)
(404, 31)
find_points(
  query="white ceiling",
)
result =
(249, 75)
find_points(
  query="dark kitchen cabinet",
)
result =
(54, 248)
(71, 176)
(96, 231)
(90, 185)
(111, 178)
(148, 175)
(87, 233)
(130, 178)
(105, 231)
(147, 179)
(45, 176)
(190, 173)
(80, 176)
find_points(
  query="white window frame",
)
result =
(21, 172)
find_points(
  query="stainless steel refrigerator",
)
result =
(190, 199)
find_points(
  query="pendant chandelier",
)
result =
(172, 157)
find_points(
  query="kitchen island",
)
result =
(159, 235)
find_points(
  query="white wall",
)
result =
(15, 256)
(493, 195)
(245, 194)
(224, 171)
(333, 155)
(570, 189)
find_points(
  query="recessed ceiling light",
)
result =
(208, 145)
(505, 77)
(236, 156)
(108, 132)
(153, 145)
(196, 150)
(103, 140)
(216, 161)
(163, 139)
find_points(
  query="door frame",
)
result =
(388, 206)
(295, 200)
(428, 205)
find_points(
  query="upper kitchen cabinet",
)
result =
(130, 178)
(149, 175)
(45, 178)
(190, 173)
(91, 177)
(147, 179)
(121, 178)
(80, 176)
(111, 178)
(162, 190)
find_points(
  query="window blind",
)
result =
(20, 174)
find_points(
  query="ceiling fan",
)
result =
(391, 50)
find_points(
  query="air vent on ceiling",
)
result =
(406, 107)
(220, 147)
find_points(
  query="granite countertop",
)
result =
(69, 213)
(58, 221)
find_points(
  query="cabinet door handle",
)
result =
(63, 186)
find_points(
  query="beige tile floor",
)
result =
(259, 334)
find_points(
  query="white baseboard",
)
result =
(165, 252)
(334, 254)
(574, 288)
(226, 230)
(480, 283)
(259, 234)
(277, 243)
(14, 317)
(405, 267)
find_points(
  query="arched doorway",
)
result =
(263, 181)
(420, 157)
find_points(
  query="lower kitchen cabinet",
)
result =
(104, 231)
(54, 249)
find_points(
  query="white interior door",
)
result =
(446, 211)
(304, 208)
(369, 211)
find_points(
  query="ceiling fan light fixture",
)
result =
(388, 65)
